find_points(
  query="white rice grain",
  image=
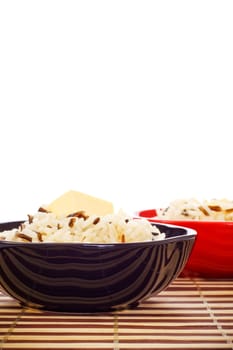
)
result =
(112, 228)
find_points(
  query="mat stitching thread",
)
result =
(116, 335)
(212, 315)
(11, 328)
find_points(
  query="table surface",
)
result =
(190, 314)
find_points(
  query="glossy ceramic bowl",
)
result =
(77, 277)
(212, 255)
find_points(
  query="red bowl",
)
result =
(212, 255)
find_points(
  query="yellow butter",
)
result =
(73, 201)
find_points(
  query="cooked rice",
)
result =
(78, 227)
(192, 209)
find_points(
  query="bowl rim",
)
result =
(188, 233)
(179, 222)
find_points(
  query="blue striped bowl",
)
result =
(75, 277)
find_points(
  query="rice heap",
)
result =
(192, 209)
(46, 226)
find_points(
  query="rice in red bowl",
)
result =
(212, 255)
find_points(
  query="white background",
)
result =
(130, 101)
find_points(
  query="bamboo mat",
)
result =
(190, 314)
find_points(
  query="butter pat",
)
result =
(73, 201)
